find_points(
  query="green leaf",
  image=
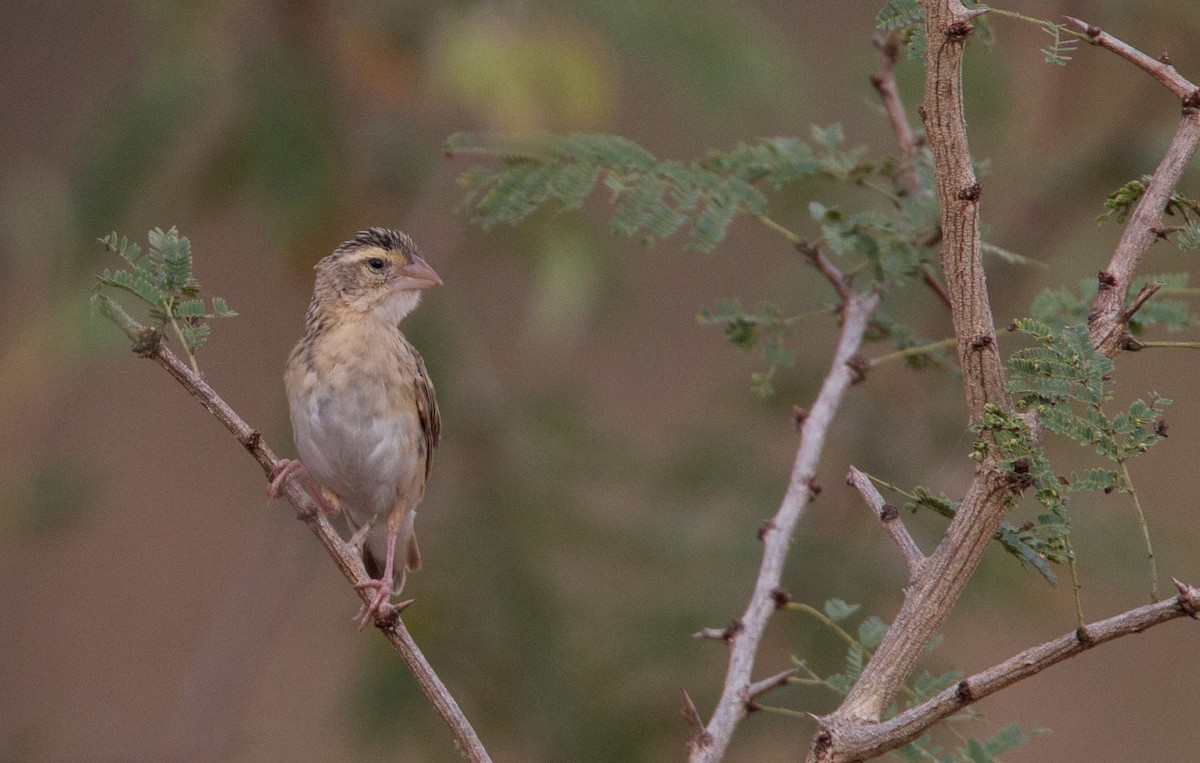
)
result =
(871, 631)
(896, 14)
(221, 309)
(838, 610)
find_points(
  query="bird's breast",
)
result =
(355, 417)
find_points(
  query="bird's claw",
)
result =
(378, 605)
(289, 468)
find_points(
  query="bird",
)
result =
(364, 413)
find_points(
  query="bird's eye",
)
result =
(375, 263)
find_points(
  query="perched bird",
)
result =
(363, 410)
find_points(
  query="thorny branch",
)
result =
(708, 744)
(907, 726)
(1108, 323)
(856, 729)
(148, 343)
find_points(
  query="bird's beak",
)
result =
(416, 275)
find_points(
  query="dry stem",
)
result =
(1108, 323)
(864, 742)
(710, 745)
(930, 598)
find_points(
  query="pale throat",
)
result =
(396, 305)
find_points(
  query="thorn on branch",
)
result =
(759, 688)
(253, 440)
(971, 192)
(858, 365)
(813, 488)
(1191, 104)
(732, 630)
(964, 693)
(698, 737)
(766, 527)
(799, 416)
(781, 596)
(959, 30)
(821, 744)
(389, 614)
(146, 342)
(1189, 599)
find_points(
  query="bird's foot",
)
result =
(290, 468)
(378, 605)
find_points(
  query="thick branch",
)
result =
(945, 573)
(710, 746)
(870, 740)
(149, 343)
(890, 517)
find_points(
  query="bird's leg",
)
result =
(382, 586)
(289, 468)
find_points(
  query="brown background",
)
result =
(604, 466)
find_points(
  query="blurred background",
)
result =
(604, 465)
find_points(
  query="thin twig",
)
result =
(910, 352)
(759, 688)
(890, 517)
(1140, 344)
(839, 280)
(777, 534)
(1163, 72)
(1143, 296)
(885, 83)
(1141, 515)
(862, 741)
(148, 343)
(824, 619)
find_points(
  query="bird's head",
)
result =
(378, 271)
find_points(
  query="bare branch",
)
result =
(1162, 71)
(759, 688)
(148, 342)
(1108, 321)
(890, 517)
(944, 574)
(885, 83)
(858, 742)
(777, 534)
(929, 599)
(1109, 333)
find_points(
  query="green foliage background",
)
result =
(604, 467)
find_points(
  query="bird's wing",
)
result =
(427, 410)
